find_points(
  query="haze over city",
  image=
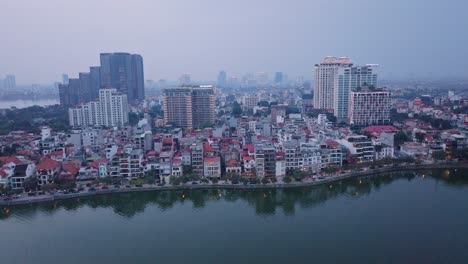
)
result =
(409, 39)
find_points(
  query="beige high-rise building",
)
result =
(203, 106)
(189, 107)
(326, 79)
(177, 105)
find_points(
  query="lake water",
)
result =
(396, 218)
(27, 103)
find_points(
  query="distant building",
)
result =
(10, 82)
(279, 78)
(250, 101)
(123, 71)
(185, 79)
(222, 79)
(82, 90)
(111, 110)
(64, 78)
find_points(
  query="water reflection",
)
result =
(266, 202)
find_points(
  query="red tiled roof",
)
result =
(249, 147)
(380, 129)
(211, 159)
(232, 163)
(14, 159)
(48, 164)
(207, 148)
(71, 168)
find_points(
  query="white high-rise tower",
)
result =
(325, 79)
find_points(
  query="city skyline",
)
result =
(405, 38)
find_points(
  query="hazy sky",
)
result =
(41, 39)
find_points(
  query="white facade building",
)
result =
(325, 79)
(351, 79)
(111, 110)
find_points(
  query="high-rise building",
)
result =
(349, 79)
(177, 105)
(279, 78)
(185, 79)
(111, 110)
(325, 78)
(370, 106)
(203, 106)
(222, 79)
(82, 90)
(95, 81)
(123, 71)
(64, 78)
(10, 82)
(189, 107)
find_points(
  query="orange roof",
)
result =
(48, 164)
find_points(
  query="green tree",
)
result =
(419, 136)
(236, 110)
(439, 155)
(400, 137)
(265, 180)
(30, 184)
(287, 179)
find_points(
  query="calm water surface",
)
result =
(397, 218)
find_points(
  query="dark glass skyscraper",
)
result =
(123, 71)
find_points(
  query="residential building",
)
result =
(370, 107)
(359, 146)
(111, 110)
(189, 107)
(47, 170)
(212, 167)
(349, 79)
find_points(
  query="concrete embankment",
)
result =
(370, 172)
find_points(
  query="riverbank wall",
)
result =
(328, 180)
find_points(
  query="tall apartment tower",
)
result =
(110, 110)
(123, 71)
(325, 76)
(350, 79)
(203, 106)
(189, 107)
(177, 106)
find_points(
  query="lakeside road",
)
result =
(306, 183)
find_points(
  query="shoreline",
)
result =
(369, 172)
